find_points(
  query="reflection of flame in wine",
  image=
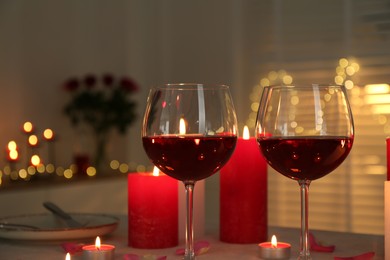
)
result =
(182, 126)
(342, 143)
(197, 141)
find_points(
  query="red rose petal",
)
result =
(314, 246)
(364, 256)
(72, 248)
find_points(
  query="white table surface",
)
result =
(347, 244)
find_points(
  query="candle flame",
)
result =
(274, 242)
(67, 257)
(245, 134)
(97, 243)
(182, 126)
(156, 171)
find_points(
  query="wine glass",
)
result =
(189, 132)
(304, 133)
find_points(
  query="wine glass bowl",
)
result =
(304, 132)
(189, 132)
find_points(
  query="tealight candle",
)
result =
(67, 257)
(98, 251)
(274, 249)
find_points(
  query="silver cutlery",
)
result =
(69, 220)
(13, 226)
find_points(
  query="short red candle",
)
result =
(98, 251)
(274, 250)
(243, 195)
(388, 157)
(153, 211)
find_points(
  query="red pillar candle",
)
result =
(243, 194)
(388, 157)
(153, 210)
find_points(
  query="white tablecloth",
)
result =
(346, 245)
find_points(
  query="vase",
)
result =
(100, 159)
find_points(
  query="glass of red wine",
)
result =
(304, 132)
(189, 132)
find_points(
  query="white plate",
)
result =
(53, 228)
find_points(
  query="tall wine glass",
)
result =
(189, 132)
(304, 132)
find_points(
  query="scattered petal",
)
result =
(364, 256)
(314, 246)
(72, 248)
(200, 247)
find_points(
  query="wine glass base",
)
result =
(189, 257)
(304, 257)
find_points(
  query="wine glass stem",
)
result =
(189, 251)
(304, 248)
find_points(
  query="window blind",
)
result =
(306, 41)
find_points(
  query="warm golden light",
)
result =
(380, 109)
(91, 171)
(35, 160)
(68, 173)
(12, 145)
(245, 133)
(97, 242)
(27, 127)
(182, 126)
(377, 88)
(377, 99)
(343, 62)
(48, 134)
(67, 257)
(123, 167)
(274, 242)
(33, 140)
(156, 171)
(13, 154)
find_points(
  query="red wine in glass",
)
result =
(304, 132)
(305, 158)
(189, 132)
(191, 157)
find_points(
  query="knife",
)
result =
(70, 222)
